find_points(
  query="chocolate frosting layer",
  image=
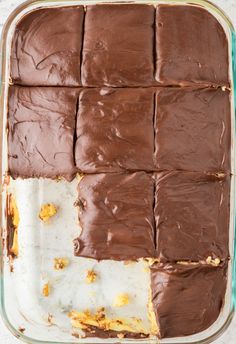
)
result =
(41, 123)
(116, 216)
(192, 216)
(191, 46)
(192, 130)
(46, 47)
(187, 299)
(115, 130)
(118, 45)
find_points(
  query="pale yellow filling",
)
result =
(84, 320)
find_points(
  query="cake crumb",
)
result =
(47, 211)
(91, 276)
(214, 262)
(60, 263)
(121, 300)
(46, 290)
(120, 335)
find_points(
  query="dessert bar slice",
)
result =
(41, 124)
(187, 299)
(118, 45)
(115, 130)
(191, 47)
(46, 47)
(192, 216)
(192, 130)
(116, 216)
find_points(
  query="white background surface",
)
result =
(229, 6)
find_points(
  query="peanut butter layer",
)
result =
(192, 216)
(41, 123)
(187, 299)
(118, 45)
(116, 216)
(191, 47)
(192, 129)
(46, 47)
(115, 130)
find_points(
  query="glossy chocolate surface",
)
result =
(191, 46)
(46, 47)
(118, 45)
(192, 130)
(187, 298)
(192, 216)
(41, 123)
(116, 215)
(157, 158)
(115, 130)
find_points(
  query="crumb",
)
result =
(214, 262)
(152, 261)
(220, 174)
(121, 300)
(187, 262)
(60, 263)
(49, 319)
(223, 88)
(46, 290)
(47, 211)
(78, 335)
(100, 314)
(120, 335)
(21, 329)
(91, 276)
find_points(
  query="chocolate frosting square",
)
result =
(191, 46)
(118, 45)
(46, 47)
(187, 299)
(116, 216)
(41, 123)
(115, 130)
(192, 130)
(192, 216)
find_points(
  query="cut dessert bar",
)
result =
(192, 216)
(46, 47)
(116, 216)
(192, 129)
(187, 299)
(115, 130)
(191, 46)
(41, 124)
(118, 45)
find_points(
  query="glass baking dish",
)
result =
(24, 312)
